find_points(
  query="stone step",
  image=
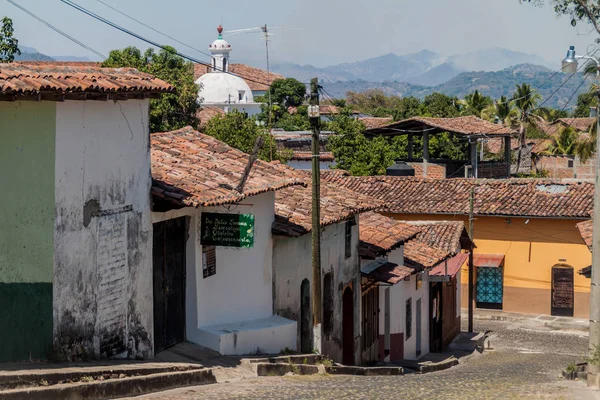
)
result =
(113, 388)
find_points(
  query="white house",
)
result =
(222, 88)
(75, 243)
(339, 334)
(395, 277)
(212, 224)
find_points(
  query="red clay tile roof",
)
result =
(75, 78)
(467, 126)
(488, 260)
(307, 156)
(452, 266)
(207, 113)
(250, 74)
(450, 236)
(332, 110)
(380, 234)
(293, 215)
(422, 254)
(376, 122)
(580, 124)
(190, 169)
(512, 197)
(586, 229)
(390, 273)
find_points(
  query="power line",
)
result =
(142, 38)
(55, 29)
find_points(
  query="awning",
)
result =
(450, 267)
(387, 272)
(488, 260)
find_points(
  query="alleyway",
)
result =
(525, 363)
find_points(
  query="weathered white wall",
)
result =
(103, 230)
(292, 263)
(458, 292)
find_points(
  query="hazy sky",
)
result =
(320, 32)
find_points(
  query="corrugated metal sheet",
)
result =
(454, 265)
(488, 260)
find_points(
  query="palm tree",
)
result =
(502, 111)
(565, 142)
(586, 148)
(524, 99)
(475, 103)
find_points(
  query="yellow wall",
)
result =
(531, 250)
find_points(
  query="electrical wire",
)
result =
(55, 29)
(151, 42)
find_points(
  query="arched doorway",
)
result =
(348, 326)
(305, 323)
(563, 288)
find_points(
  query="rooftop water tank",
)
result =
(400, 168)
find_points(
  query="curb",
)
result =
(365, 371)
(424, 369)
(267, 369)
(111, 389)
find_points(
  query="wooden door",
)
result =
(348, 327)
(436, 314)
(169, 282)
(419, 330)
(305, 318)
(563, 291)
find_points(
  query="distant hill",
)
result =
(31, 54)
(494, 84)
(424, 68)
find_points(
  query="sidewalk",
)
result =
(530, 320)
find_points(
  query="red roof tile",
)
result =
(510, 197)
(450, 236)
(579, 124)
(466, 126)
(20, 79)
(586, 229)
(207, 113)
(376, 122)
(256, 78)
(307, 156)
(424, 255)
(380, 234)
(390, 273)
(332, 110)
(293, 206)
(451, 267)
(192, 169)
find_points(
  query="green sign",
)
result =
(227, 230)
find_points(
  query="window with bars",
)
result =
(209, 261)
(348, 243)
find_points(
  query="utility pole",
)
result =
(315, 122)
(266, 32)
(593, 377)
(471, 266)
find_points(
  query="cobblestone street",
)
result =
(525, 362)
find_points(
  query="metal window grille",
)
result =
(209, 261)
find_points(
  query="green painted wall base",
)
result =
(26, 315)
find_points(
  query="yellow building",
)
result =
(529, 250)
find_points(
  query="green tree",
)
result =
(550, 114)
(293, 122)
(565, 142)
(172, 110)
(407, 107)
(584, 102)
(502, 111)
(241, 132)
(9, 46)
(525, 99)
(288, 92)
(586, 147)
(475, 103)
(360, 156)
(441, 106)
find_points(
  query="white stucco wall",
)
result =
(399, 293)
(239, 296)
(103, 229)
(292, 263)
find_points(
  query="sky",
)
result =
(317, 32)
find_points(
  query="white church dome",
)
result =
(218, 87)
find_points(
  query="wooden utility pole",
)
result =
(471, 266)
(315, 122)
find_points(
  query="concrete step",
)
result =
(113, 388)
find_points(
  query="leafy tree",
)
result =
(9, 46)
(407, 107)
(241, 132)
(586, 148)
(502, 111)
(288, 92)
(475, 103)
(343, 123)
(360, 156)
(565, 142)
(441, 106)
(294, 122)
(525, 99)
(584, 102)
(550, 114)
(172, 110)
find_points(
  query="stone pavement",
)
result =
(525, 362)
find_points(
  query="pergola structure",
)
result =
(469, 127)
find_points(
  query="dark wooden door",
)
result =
(436, 311)
(305, 318)
(563, 291)
(348, 327)
(169, 282)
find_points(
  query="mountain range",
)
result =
(31, 54)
